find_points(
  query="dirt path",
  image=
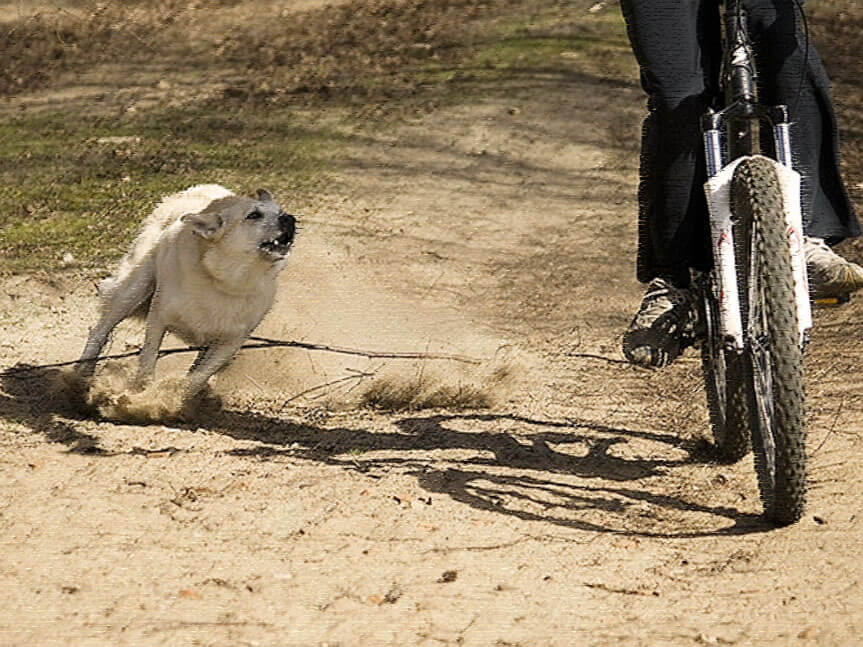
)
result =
(578, 510)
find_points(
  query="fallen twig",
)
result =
(262, 342)
(610, 360)
(357, 376)
(266, 342)
(832, 428)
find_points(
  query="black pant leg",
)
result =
(676, 43)
(784, 62)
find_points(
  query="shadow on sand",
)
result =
(526, 477)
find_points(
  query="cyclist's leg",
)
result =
(676, 44)
(827, 210)
(677, 47)
(781, 53)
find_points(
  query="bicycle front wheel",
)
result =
(775, 372)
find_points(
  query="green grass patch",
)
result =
(549, 43)
(81, 186)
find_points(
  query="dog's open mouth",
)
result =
(278, 246)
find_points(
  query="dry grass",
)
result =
(35, 49)
(416, 389)
(349, 52)
(422, 393)
(363, 47)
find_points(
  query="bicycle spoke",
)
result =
(762, 373)
(725, 381)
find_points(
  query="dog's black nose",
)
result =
(287, 222)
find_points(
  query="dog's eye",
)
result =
(255, 215)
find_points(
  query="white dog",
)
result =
(204, 267)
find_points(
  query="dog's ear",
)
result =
(264, 195)
(207, 224)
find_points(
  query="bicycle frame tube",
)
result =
(739, 83)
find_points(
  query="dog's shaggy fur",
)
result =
(203, 267)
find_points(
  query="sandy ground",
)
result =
(579, 509)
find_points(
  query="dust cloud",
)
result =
(325, 298)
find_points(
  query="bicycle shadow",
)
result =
(478, 481)
(526, 475)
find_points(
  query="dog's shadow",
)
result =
(499, 473)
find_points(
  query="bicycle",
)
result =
(755, 300)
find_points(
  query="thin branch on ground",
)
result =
(319, 387)
(610, 360)
(262, 342)
(266, 343)
(832, 428)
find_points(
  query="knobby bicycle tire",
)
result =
(725, 386)
(774, 373)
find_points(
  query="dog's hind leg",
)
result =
(120, 304)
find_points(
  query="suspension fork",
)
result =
(727, 296)
(714, 124)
